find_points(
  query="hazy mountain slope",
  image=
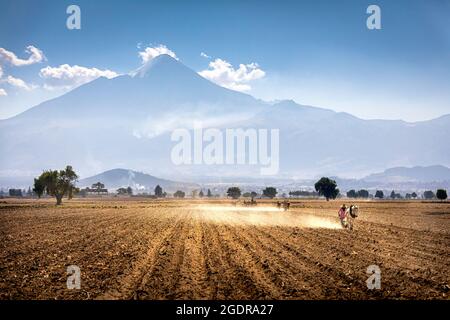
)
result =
(414, 174)
(342, 144)
(127, 122)
(117, 178)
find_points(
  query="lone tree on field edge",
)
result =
(379, 194)
(428, 194)
(363, 193)
(441, 194)
(57, 183)
(158, 191)
(327, 188)
(98, 187)
(270, 192)
(234, 192)
(39, 187)
(352, 194)
(179, 194)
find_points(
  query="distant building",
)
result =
(102, 191)
(15, 193)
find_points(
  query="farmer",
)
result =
(342, 215)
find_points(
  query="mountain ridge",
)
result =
(119, 177)
(127, 122)
(433, 173)
(164, 59)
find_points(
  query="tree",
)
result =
(58, 183)
(72, 191)
(130, 191)
(98, 186)
(351, 194)
(158, 191)
(441, 194)
(270, 192)
(201, 194)
(327, 188)
(379, 194)
(414, 195)
(209, 194)
(363, 193)
(179, 194)
(83, 193)
(15, 193)
(122, 191)
(234, 192)
(39, 187)
(393, 194)
(301, 193)
(428, 194)
(253, 194)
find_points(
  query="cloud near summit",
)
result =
(219, 71)
(224, 74)
(150, 53)
(67, 76)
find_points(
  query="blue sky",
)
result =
(316, 52)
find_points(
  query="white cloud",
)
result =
(66, 76)
(152, 52)
(3, 92)
(19, 83)
(222, 73)
(36, 56)
(15, 82)
(204, 55)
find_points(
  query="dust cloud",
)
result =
(262, 216)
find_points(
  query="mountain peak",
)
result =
(117, 178)
(163, 61)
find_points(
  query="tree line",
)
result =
(61, 183)
(440, 194)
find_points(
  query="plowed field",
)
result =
(187, 249)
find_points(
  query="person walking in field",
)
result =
(342, 215)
